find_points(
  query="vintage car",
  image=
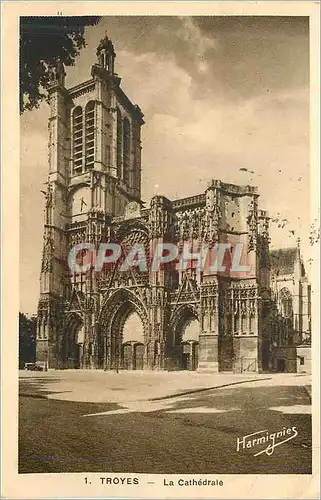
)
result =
(37, 367)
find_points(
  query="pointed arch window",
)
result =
(77, 122)
(119, 144)
(90, 134)
(286, 303)
(126, 143)
(236, 324)
(243, 323)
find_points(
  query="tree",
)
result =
(43, 42)
(27, 339)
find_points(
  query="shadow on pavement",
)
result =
(163, 442)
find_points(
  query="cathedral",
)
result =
(174, 318)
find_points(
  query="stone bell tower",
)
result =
(94, 172)
(105, 159)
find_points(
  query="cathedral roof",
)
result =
(283, 260)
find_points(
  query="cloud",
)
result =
(197, 42)
(218, 94)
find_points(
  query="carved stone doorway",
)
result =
(132, 357)
(122, 332)
(186, 339)
(139, 356)
(72, 347)
(189, 355)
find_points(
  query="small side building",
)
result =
(290, 349)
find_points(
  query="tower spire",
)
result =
(57, 74)
(106, 54)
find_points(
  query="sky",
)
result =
(219, 95)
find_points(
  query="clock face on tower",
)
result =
(132, 210)
(81, 203)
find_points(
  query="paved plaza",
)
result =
(141, 422)
(97, 386)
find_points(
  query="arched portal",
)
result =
(73, 340)
(133, 343)
(133, 330)
(123, 331)
(190, 341)
(185, 339)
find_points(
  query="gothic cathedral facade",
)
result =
(170, 319)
